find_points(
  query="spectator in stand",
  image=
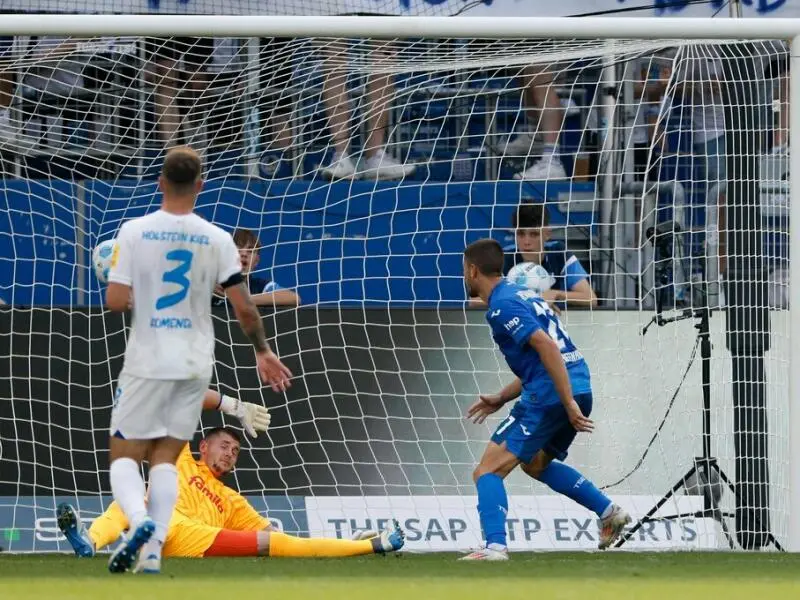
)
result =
(263, 291)
(275, 104)
(170, 60)
(378, 164)
(572, 287)
(778, 68)
(653, 75)
(12, 137)
(540, 93)
(698, 86)
(8, 132)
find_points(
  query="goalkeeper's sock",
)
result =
(283, 545)
(127, 486)
(163, 495)
(492, 507)
(107, 528)
(562, 478)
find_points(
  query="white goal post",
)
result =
(376, 429)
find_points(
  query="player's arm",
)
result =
(253, 417)
(120, 275)
(490, 403)
(553, 362)
(248, 316)
(243, 517)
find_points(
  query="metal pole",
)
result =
(794, 298)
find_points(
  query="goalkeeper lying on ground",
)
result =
(211, 519)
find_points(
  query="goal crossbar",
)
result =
(393, 27)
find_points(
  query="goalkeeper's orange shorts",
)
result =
(192, 539)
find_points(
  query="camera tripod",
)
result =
(705, 470)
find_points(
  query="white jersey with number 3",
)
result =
(172, 262)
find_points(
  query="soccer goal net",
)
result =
(649, 178)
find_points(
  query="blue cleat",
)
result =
(126, 553)
(70, 524)
(391, 539)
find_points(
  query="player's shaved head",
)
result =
(181, 172)
(487, 256)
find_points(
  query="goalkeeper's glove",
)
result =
(253, 417)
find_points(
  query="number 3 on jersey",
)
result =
(178, 277)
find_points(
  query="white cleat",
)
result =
(612, 527)
(382, 166)
(341, 167)
(486, 553)
(149, 564)
(548, 167)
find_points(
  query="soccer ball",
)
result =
(532, 276)
(102, 257)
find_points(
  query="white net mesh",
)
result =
(363, 168)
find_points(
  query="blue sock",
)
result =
(492, 507)
(565, 480)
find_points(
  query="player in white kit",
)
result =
(168, 264)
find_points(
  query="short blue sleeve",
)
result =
(574, 272)
(514, 318)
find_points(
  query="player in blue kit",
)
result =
(553, 380)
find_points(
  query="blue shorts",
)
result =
(530, 428)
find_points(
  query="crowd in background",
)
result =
(193, 88)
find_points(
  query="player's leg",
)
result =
(162, 496)
(138, 418)
(277, 544)
(128, 489)
(108, 527)
(499, 459)
(548, 467)
(180, 415)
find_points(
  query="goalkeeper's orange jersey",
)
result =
(204, 498)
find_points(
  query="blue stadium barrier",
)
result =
(348, 242)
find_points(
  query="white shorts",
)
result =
(147, 409)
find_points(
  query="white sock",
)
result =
(163, 495)
(550, 149)
(127, 486)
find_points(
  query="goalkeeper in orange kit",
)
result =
(211, 519)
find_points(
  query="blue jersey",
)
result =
(514, 315)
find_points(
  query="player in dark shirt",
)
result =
(532, 233)
(263, 291)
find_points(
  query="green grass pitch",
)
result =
(545, 576)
